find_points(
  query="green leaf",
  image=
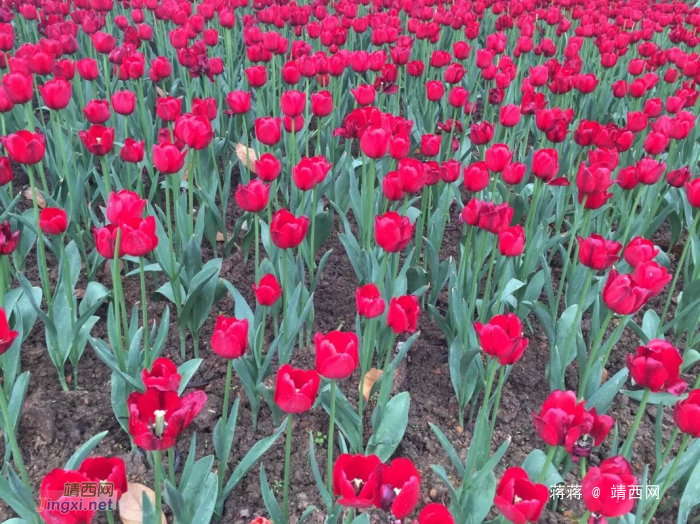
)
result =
(386, 438)
(602, 399)
(84, 450)
(271, 504)
(320, 484)
(479, 498)
(691, 495)
(534, 463)
(187, 371)
(654, 398)
(449, 449)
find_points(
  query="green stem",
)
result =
(679, 268)
(547, 463)
(256, 228)
(331, 432)
(667, 452)
(110, 517)
(287, 460)
(12, 437)
(630, 217)
(144, 312)
(592, 355)
(190, 190)
(171, 466)
(224, 420)
(40, 240)
(157, 467)
(669, 478)
(497, 402)
(627, 446)
(312, 238)
(487, 289)
(501, 286)
(116, 285)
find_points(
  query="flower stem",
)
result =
(157, 467)
(331, 432)
(627, 446)
(591, 356)
(287, 460)
(144, 312)
(224, 421)
(669, 478)
(547, 463)
(117, 287)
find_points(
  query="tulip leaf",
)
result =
(654, 398)
(386, 438)
(361, 519)
(449, 449)
(691, 496)
(271, 504)
(650, 324)
(320, 484)
(534, 463)
(324, 226)
(603, 398)
(84, 450)
(187, 371)
(19, 391)
(479, 498)
(27, 512)
(690, 357)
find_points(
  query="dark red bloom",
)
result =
(502, 338)
(268, 290)
(163, 375)
(52, 488)
(124, 204)
(599, 484)
(400, 488)
(356, 480)
(657, 367)
(640, 250)
(7, 335)
(253, 197)
(103, 469)
(598, 253)
(53, 221)
(139, 236)
(487, 215)
(288, 231)
(98, 140)
(519, 499)
(370, 303)
(686, 414)
(25, 147)
(435, 513)
(623, 294)
(652, 276)
(157, 418)
(511, 241)
(167, 158)
(392, 232)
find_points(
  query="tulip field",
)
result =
(349, 262)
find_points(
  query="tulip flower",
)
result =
(123, 205)
(393, 232)
(545, 164)
(230, 337)
(132, 151)
(7, 335)
(138, 235)
(336, 354)
(163, 375)
(288, 231)
(502, 338)
(597, 253)
(356, 479)
(106, 240)
(53, 221)
(692, 191)
(686, 414)
(321, 104)
(403, 314)
(519, 499)
(168, 159)
(98, 140)
(252, 197)
(268, 130)
(168, 108)
(511, 241)
(18, 87)
(310, 171)
(97, 111)
(370, 303)
(25, 147)
(238, 102)
(486, 215)
(652, 276)
(6, 175)
(267, 167)
(52, 488)
(103, 469)
(598, 487)
(193, 130)
(640, 250)
(656, 366)
(56, 93)
(374, 142)
(268, 290)
(498, 157)
(400, 488)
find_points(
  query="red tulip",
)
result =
(545, 164)
(296, 389)
(310, 171)
(481, 133)
(599, 486)
(193, 130)
(392, 232)
(98, 140)
(502, 338)
(678, 177)
(514, 173)
(268, 130)
(160, 69)
(238, 102)
(598, 253)
(430, 145)
(124, 204)
(374, 142)
(692, 191)
(623, 295)
(649, 171)
(509, 115)
(106, 240)
(651, 276)
(511, 241)
(8, 239)
(487, 215)
(321, 104)
(370, 303)
(686, 414)
(7, 336)
(163, 375)
(167, 158)
(253, 197)
(293, 103)
(337, 355)
(267, 167)
(268, 291)
(97, 111)
(56, 93)
(124, 102)
(87, 69)
(256, 75)
(138, 235)
(458, 96)
(25, 147)
(519, 499)
(132, 151)
(6, 175)
(411, 175)
(230, 337)
(168, 108)
(288, 231)
(435, 513)
(103, 469)
(498, 157)
(293, 125)
(640, 250)
(400, 488)
(403, 314)
(657, 366)
(18, 87)
(157, 418)
(53, 489)
(434, 90)
(53, 221)
(356, 480)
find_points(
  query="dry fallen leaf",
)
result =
(27, 193)
(221, 238)
(160, 92)
(130, 507)
(370, 379)
(249, 160)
